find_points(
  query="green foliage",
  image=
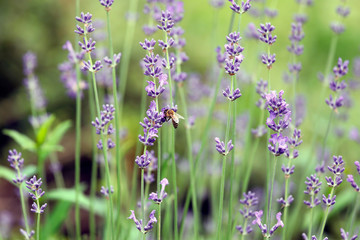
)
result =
(8, 174)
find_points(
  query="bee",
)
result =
(171, 114)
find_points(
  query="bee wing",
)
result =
(179, 116)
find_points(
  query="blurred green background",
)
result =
(43, 26)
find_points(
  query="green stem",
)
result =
(325, 216)
(271, 193)
(38, 220)
(107, 171)
(23, 206)
(159, 222)
(232, 168)
(117, 121)
(93, 183)
(172, 147)
(142, 200)
(222, 181)
(77, 152)
(285, 208)
(353, 214)
(311, 222)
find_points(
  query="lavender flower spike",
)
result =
(143, 161)
(17, 163)
(345, 235)
(245, 6)
(159, 198)
(232, 96)
(139, 223)
(278, 144)
(220, 146)
(341, 69)
(263, 227)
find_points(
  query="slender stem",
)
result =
(311, 222)
(271, 193)
(222, 181)
(93, 183)
(77, 152)
(159, 222)
(353, 214)
(326, 215)
(286, 207)
(38, 219)
(172, 147)
(142, 199)
(23, 206)
(232, 168)
(117, 121)
(107, 170)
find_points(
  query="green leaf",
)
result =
(69, 195)
(46, 149)
(55, 219)
(57, 134)
(43, 130)
(24, 141)
(9, 174)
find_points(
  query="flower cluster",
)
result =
(139, 223)
(297, 34)
(17, 163)
(345, 235)
(166, 21)
(68, 72)
(350, 178)
(249, 201)
(294, 142)
(103, 125)
(181, 57)
(31, 82)
(151, 124)
(107, 4)
(240, 9)
(28, 236)
(338, 27)
(266, 36)
(106, 192)
(313, 186)
(263, 227)
(337, 169)
(158, 198)
(36, 193)
(340, 70)
(152, 68)
(279, 119)
(220, 146)
(113, 62)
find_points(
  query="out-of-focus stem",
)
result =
(271, 193)
(23, 206)
(326, 215)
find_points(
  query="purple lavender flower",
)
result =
(271, 13)
(341, 69)
(351, 180)
(287, 170)
(232, 96)
(34, 185)
(245, 6)
(148, 45)
(87, 66)
(162, 195)
(330, 200)
(106, 192)
(153, 90)
(259, 131)
(337, 28)
(268, 60)
(144, 160)
(107, 4)
(313, 186)
(248, 202)
(266, 33)
(113, 62)
(263, 227)
(151, 123)
(166, 45)
(217, 3)
(86, 20)
(278, 144)
(294, 142)
(345, 235)
(220, 146)
(31, 81)
(251, 32)
(139, 224)
(17, 163)
(166, 21)
(343, 11)
(287, 202)
(27, 236)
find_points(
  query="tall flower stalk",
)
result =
(112, 64)
(233, 60)
(337, 169)
(88, 45)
